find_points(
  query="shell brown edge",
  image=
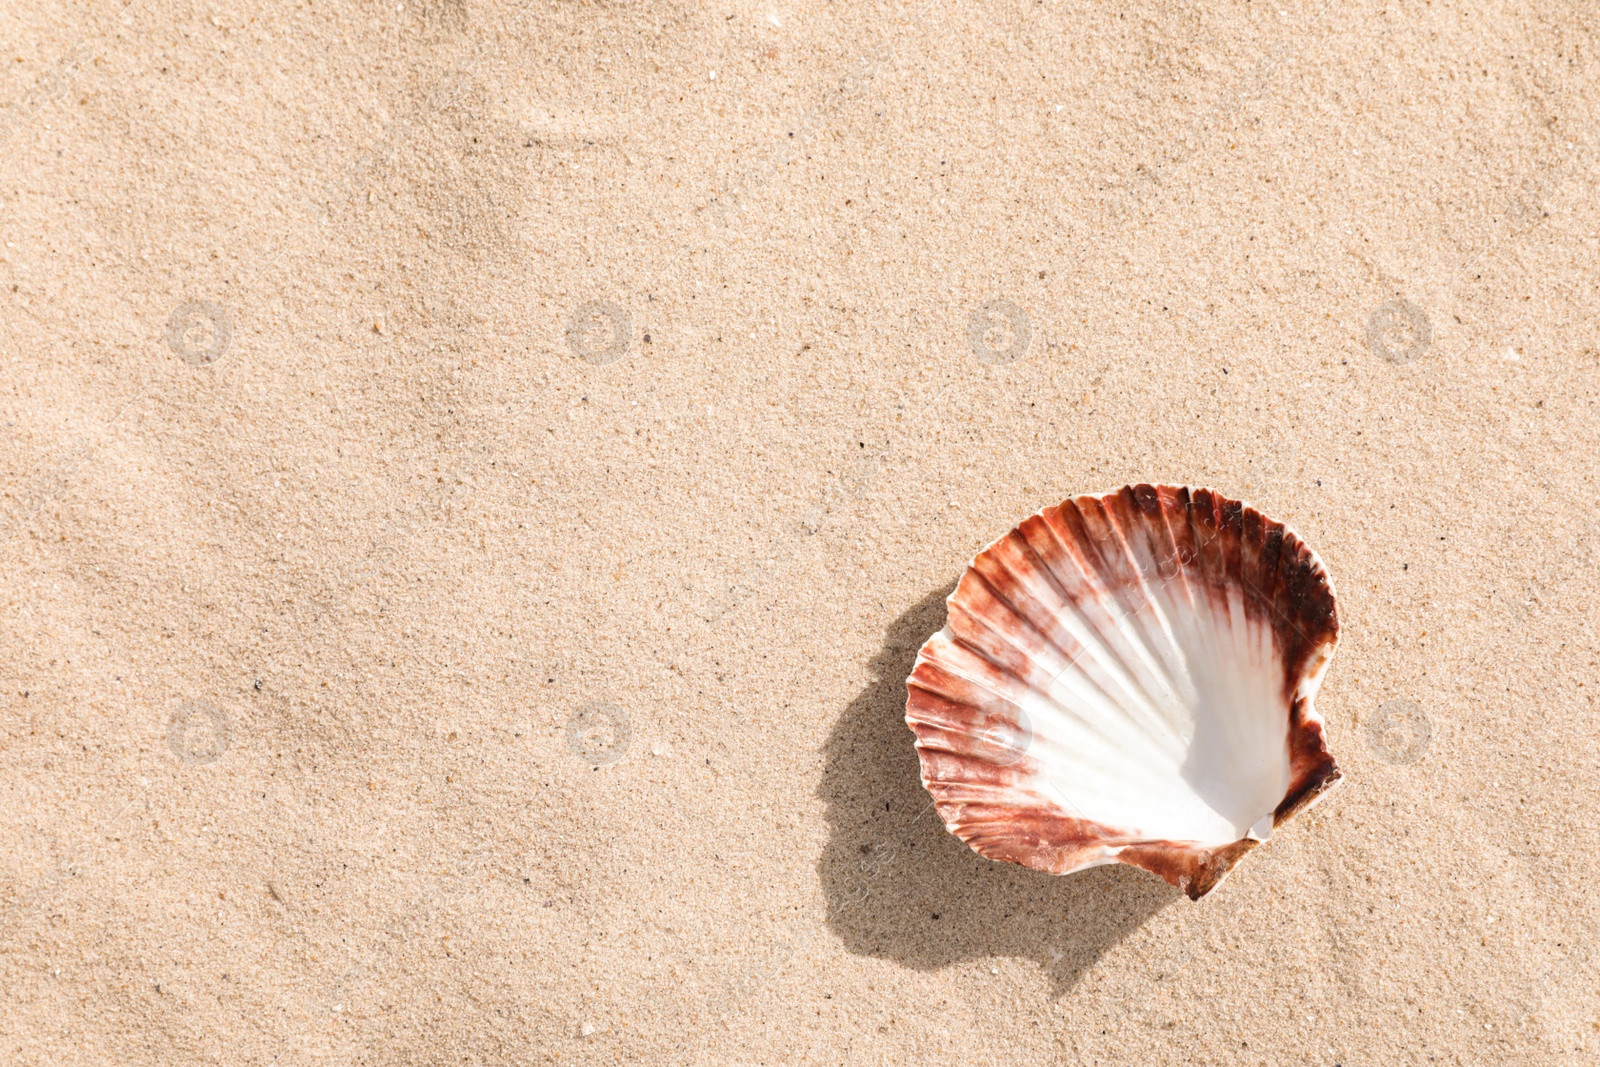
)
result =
(1193, 869)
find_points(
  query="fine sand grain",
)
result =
(476, 475)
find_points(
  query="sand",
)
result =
(476, 475)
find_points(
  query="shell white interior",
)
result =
(1170, 722)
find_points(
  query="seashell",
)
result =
(1129, 678)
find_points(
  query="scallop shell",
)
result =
(1129, 678)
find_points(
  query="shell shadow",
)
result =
(900, 887)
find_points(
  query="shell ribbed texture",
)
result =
(1129, 677)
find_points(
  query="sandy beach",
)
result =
(476, 475)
